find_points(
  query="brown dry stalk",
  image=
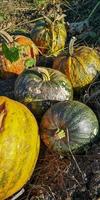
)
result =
(77, 165)
(6, 36)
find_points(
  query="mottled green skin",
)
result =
(39, 90)
(78, 122)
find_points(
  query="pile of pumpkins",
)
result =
(65, 125)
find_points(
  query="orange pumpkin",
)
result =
(26, 50)
(19, 146)
(81, 66)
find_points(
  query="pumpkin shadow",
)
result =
(7, 85)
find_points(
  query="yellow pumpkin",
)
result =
(19, 146)
(81, 66)
(26, 50)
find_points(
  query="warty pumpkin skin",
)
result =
(68, 126)
(27, 50)
(80, 67)
(39, 87)
(19, 146)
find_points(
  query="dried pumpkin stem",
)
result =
(6, 36)
(60, 133)
(71, 45)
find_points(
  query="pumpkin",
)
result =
(50, 35)
(68, 126)
(81, 66)
(39, 87)
(15, 55)
(19, 146)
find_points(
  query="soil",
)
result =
(75, 177)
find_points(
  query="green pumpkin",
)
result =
(68, 126)
(50, 35)
(40, 87)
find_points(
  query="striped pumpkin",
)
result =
(50, 36)
(19, 146)
(80, 67)
(68, 126)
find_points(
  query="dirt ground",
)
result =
(57, 178)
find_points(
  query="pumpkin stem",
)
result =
(60, 133)
(6, 36)
(71, 45)
(45, 74)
